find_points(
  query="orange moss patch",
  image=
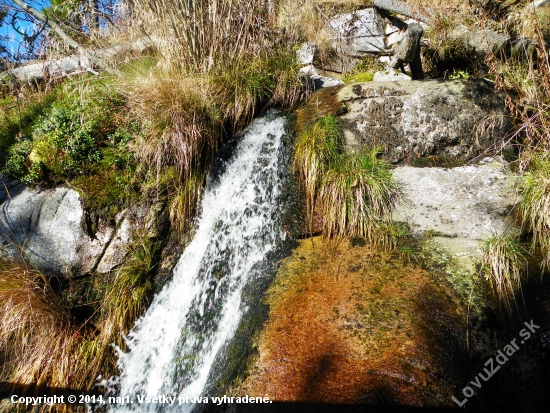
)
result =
(350, 324)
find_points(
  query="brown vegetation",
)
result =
(350, 324)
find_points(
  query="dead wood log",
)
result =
(73, 64)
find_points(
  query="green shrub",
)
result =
(73, 136)
(17, 117)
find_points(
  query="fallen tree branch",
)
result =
(73, 44)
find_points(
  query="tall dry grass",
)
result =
(45, 350)
(358, 197)
(526, 83)
(504, 263)
(40, 343)
(198, 35)
(181, 124)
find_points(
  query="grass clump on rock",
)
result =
(355, 192)
(316, 148)
(503, 263)
(535, 206)
(358, 195)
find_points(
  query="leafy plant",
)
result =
(459, 74)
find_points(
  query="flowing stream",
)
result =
(173, 347)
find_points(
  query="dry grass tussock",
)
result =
(181, 123)
(45, 350)
(504, 262)
(535, 207)
(315, 147)
(40, 344)
(355, 192)
(358, 197)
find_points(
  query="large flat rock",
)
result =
(473, 202)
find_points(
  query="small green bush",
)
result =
(72, 137)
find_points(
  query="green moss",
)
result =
(108, 192)
(456, 263)
(359, 77)
(85, 124)
(364, 71)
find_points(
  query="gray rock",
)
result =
(116, 251)
(473, 202)
(394, 34)
(46, 228)
(316, 81)
(390, 75)
(358, 33)
(448, 118)
(306, 54)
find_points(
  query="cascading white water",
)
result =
(173, 346)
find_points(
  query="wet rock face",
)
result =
(457, 119)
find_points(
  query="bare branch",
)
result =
(64, 36)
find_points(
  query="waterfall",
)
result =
(172, 348)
